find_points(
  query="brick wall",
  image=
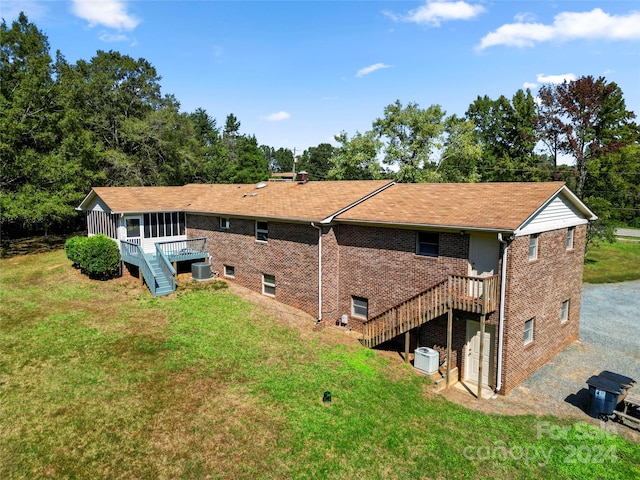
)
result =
(291, 254)
(536, 289)
(381, 265)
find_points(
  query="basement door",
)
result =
(472, 364)
(484, 252)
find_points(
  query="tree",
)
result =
(506, 130)
(594, 122)
(317, 161)
(462, 152)
(411, 135)
(35, 192)
(356, 158)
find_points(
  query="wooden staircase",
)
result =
(470, 294)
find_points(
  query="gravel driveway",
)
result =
(609, 340)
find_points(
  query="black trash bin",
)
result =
(625, 382)
(603, 395)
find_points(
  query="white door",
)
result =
(484, 252)
(473, 353)
(133, 229)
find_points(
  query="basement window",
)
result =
(533, 247)
(229, 271)
(428, 244)
(564, 315)
(262, 231)
(528, 331)
(269, 284)
(570, 232)
(359, 307)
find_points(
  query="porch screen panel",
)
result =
(147, 225)
(102, 223)
(181, 222)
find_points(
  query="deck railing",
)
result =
(474, 294)
(132, 253)
(470, 294)
(188, 249)
(166, 267)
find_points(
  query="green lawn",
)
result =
(613, 262)
(100, 380)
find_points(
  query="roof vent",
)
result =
(261, 185)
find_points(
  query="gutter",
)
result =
(503, 287)
(319, 271)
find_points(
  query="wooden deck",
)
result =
(469, 294)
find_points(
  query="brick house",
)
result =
(488, 274)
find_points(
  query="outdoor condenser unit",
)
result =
(201, 271)
(426, 360)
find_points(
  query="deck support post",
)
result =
(140, 276)
(449, 334)
(407, 340)
(481, 354)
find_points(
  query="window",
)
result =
(225, 223)
(229, 271)
(564, 316)
(428, 244)
(262, 231)
(163, 224)
(528, 331)
(269, 284)
(570, 232)
(359, 307)
(533, 247)
(133, 228)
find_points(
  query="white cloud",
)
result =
(433, 13)
(110, 13)
(529, 85)
(277, 117)
(112, 38)
(565, 77)
(371, 68)
(593, 25)
(524, 17)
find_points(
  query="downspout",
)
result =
(503, 287)
(319, 271)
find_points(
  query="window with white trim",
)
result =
(533, 246)
(359, 307)
(564, 315)
(528, 331)
(428, 244)
(269, 284)
(570, 233)
(262, 231)
(229, 271)
(225, 223)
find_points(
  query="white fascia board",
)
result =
(529, 228)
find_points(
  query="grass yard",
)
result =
(613, 262)
(99, 381)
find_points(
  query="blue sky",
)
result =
(296, 73)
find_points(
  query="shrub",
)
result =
(74, 248)
(101, 257)
(96, 256)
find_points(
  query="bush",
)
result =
(74, 248)
(96, 256)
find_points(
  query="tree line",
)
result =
(105, 122)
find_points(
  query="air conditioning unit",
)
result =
(426, 359)
(201, 271)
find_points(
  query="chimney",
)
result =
(303, 177)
